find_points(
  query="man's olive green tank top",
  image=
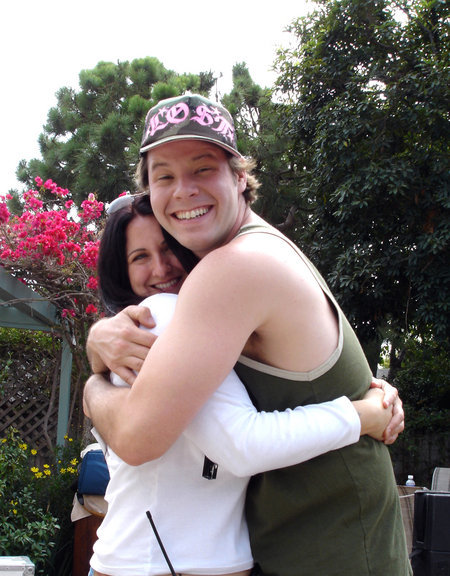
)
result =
(338, 514)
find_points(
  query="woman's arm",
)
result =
(232, 433)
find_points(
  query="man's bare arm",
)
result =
(184, 366)
(103, 395)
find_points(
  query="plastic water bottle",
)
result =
(410, 481)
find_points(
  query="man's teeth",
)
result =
(166, 285)
(191, 214)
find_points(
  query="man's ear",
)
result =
(242, 181)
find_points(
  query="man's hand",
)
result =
(391, 398)
(119, 345)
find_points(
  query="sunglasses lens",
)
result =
(119, 203)
(122, 202)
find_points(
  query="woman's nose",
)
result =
(161, 265)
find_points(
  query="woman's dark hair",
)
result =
(114, 284)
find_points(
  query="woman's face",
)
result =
(152, 267)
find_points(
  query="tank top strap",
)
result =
(266, 229)
(253, 228)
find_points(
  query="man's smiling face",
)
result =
(194, 193)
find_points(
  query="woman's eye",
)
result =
(139, 257)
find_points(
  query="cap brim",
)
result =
(178, 137)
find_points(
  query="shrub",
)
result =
(35, 500)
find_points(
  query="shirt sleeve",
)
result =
(232, 433)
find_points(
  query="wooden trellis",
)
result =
(28, 416)
(23, 404)
(28, 390)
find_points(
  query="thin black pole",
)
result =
(169, 564)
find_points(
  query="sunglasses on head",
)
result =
(122, 202)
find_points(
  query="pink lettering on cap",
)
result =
(209, 116)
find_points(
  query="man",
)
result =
(252, 294)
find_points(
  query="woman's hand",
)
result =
(119, 345)
(391, 398)
(374, 416)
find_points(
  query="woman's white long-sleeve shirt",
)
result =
(201, 521)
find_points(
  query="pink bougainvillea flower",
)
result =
(4, 213)
(54, 250)
(92, 283)
(91, 309)
(50, 185)
(92, 209)
(90, 254)
(68, 312)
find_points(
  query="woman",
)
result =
(196, 491)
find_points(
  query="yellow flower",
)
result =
(34, 469)
(14, 511)
(74, 461)
(46, 466)
(4, 440)
(47, 472)
(34, 452)
(38, 474)
(23, 446)
(62, 471)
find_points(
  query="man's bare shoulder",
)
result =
(247, 260)
(262, 265)
(258, 256)
(261, 288)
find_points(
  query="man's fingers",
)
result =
(139, 315)
(127, 375)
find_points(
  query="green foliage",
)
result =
(90, 142)
(33, 340)
(35, 501)
(423, 381)
(29, 357)
(365, 96)
(23, 352)
(254, 114)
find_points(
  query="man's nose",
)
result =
(185, 187)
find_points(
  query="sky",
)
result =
(46, 43)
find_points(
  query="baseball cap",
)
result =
(189, 117)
